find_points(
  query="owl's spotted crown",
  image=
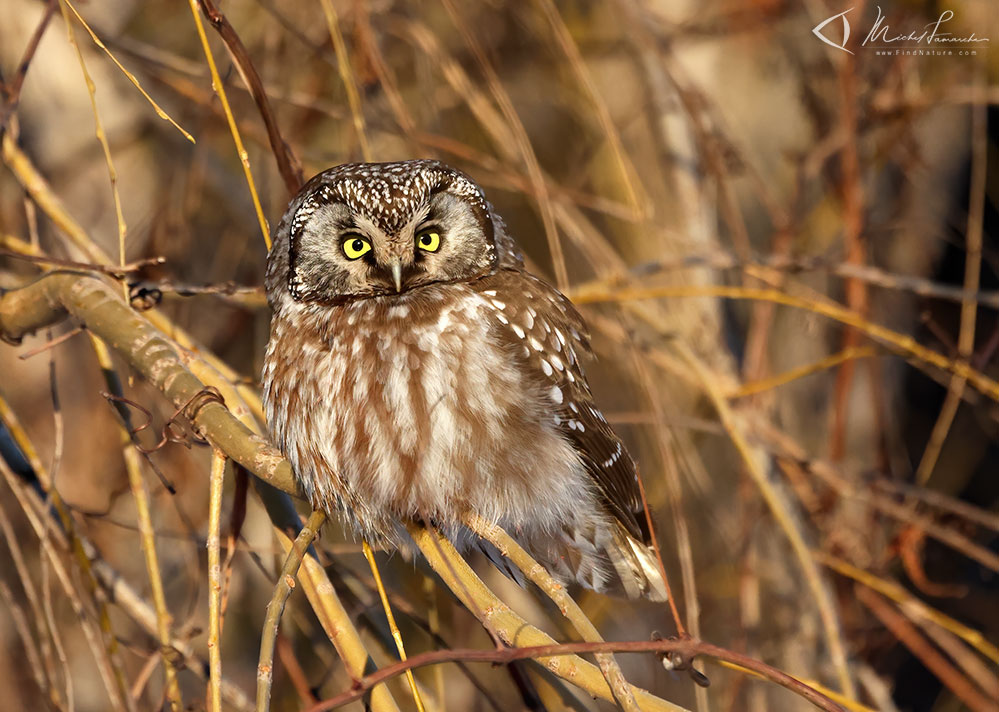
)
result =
(385, 209)
(388, 193)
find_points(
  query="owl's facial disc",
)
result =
(340, 254)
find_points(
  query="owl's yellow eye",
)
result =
(429, 240)
(355, 246)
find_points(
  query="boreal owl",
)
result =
(417, 371)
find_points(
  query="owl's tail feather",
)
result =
(606, 559)
(637, 567)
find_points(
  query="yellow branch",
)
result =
(782, 513)
(901, 342)
(911, 605)
(244, 157)
(396, 635)
(215, 582)
(131, 77)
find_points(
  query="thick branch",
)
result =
(91, 301)
(87, 298)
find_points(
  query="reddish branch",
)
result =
(853, 239)
(288, 165)
(680, 652)
(12, 92)
(919, 646)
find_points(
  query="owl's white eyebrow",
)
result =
(363, 223)
(424, 215)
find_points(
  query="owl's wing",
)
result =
(551, 336)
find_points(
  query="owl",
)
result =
(416, 371)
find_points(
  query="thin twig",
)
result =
(39, 654)
(101, 641)
(972, 278)
(51, 343)
(347, 77)
(766, 384)
(116, 271)
(275, 609)
(787, 448)
(687, 648)
(671, 479)
(135, 82)
(912, 605)
(901, 342)
(244, 157)
(786, 519)
(102, 136)
(57, 637)
(522, 141)
(12, 91)
(147, 533)
(237, 516)
(950, 676)
(216, 481)
(44, 632)
(396, 634)
(638, 201)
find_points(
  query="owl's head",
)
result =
(364, 230)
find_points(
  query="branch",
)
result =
(537, 574)
(514, 630)
(275, 609)
(288, 165)
(88, 299)
(687, 648)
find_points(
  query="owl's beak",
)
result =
(396, 267)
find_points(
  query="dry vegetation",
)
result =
(788, 258)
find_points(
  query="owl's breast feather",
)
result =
(410, 407)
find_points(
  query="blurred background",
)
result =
(786, 249)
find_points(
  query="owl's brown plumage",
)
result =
(416, 370)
